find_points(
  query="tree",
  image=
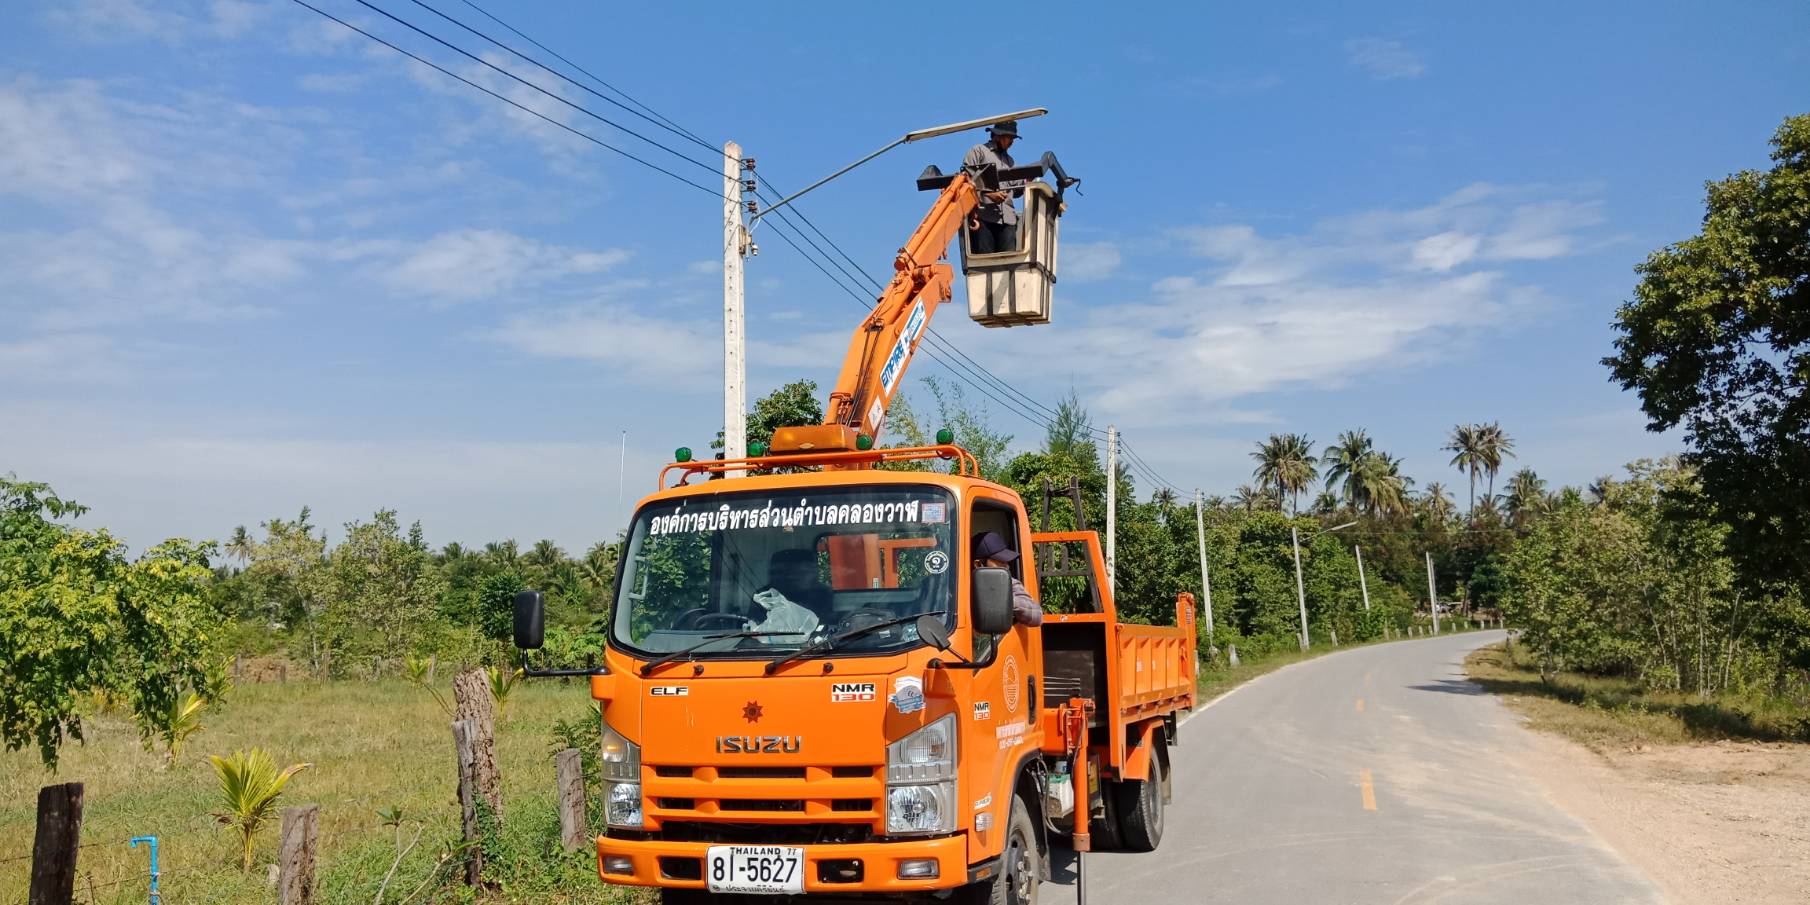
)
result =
(249, 787)
(1285, 463)
(1343, 459)
(791, 405)
(1436, 503)
(1717, 340)
(1071, 432)
(241, 546)
(76, 617)
(969, 424)
(1526, 497)
(1492, 445)
(1467, 456)
(383, 588)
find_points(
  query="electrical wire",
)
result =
(525, 109)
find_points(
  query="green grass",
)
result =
(373, 745)
(1610, 712)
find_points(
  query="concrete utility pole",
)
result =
(621, 473)
(1432, 596)
(1112, 507)
(1362, 584)
(1300, 590)
(1206, 574)
(735, 365)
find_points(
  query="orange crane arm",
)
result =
(883, 344)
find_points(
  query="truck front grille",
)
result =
(803, 801)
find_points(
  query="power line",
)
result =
(550, 71)
(709, 168)
(535, 113)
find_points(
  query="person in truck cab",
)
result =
(994, 226)
(794, 574)
(992, 550)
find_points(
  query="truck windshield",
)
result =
(773, 571)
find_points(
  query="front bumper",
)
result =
(879, 862)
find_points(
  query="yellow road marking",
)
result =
(1368, 788)
(1360, 705)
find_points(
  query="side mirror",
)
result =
(932, 632)
(530, 619)
(992, 606)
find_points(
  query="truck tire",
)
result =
(1020, 873)
(1140, 806)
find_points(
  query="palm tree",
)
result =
(1436, 503)
(544, 555)
(1526, 497)
(1342, 460)
(454, 552)
(503, 553)
(1252, 499)
(1285, 462)
(1492, 445)
(1377, 484)
(249, 786)
(1467, 455)
(241, 545)
(598, 568)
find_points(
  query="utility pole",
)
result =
(1112, 507)
(1432, 596)
(1206, 575)
(621, 471)
(1300, 591)
(735, 365)
(1362, 584)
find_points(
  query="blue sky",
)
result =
(250, 260)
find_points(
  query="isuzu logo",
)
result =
(758, 744)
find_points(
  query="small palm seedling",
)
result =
(420, 673)
(249, 786)
(175, 725)
(217, 682)
(501, 683)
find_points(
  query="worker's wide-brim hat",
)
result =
(1009, 127)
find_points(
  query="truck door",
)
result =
(1003, 714)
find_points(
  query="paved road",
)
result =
(1374, 775)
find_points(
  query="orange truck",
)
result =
(811, 685)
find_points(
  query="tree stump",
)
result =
(295, 855)
(473, 701)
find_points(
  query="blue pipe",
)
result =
(153, 842)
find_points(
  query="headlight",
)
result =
(621, 768)
(920, 781)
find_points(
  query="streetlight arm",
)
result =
(917, 135)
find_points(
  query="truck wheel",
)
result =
(1141, 810)
(1020, 875)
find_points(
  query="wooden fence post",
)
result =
(573, 830)
(282, 673)
(473, 701)
(295, 855)
(54, 848)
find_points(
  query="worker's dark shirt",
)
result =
(977, 159)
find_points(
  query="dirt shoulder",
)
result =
(1709, 822)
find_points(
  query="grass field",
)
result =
(373, 745)
(1604, 712)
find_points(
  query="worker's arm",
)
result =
(1025, 608)
(974, 164)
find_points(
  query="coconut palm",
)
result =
(1436, 503)
(454, 553)
(1342, 460)
(544, 555)
(503, 553)
(1526, 497)
(1492, 446)
(241, 545)
(1285, 463)
(1377, 484)
(502, 682)
(1252, 499)
(598, 567)
(1467, 455)
(249, 786)
(176, 724)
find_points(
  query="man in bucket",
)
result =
(994, 226)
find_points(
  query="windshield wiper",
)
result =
(686, 652)
(829, 642)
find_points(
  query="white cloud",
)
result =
(331, 83)
(484, 263)
(170, 21)
(1384, 59)
(662, 348)
(1348, 297)
(1083, 261)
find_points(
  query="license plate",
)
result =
(770, 869)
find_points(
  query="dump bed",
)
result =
(1135, 675)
